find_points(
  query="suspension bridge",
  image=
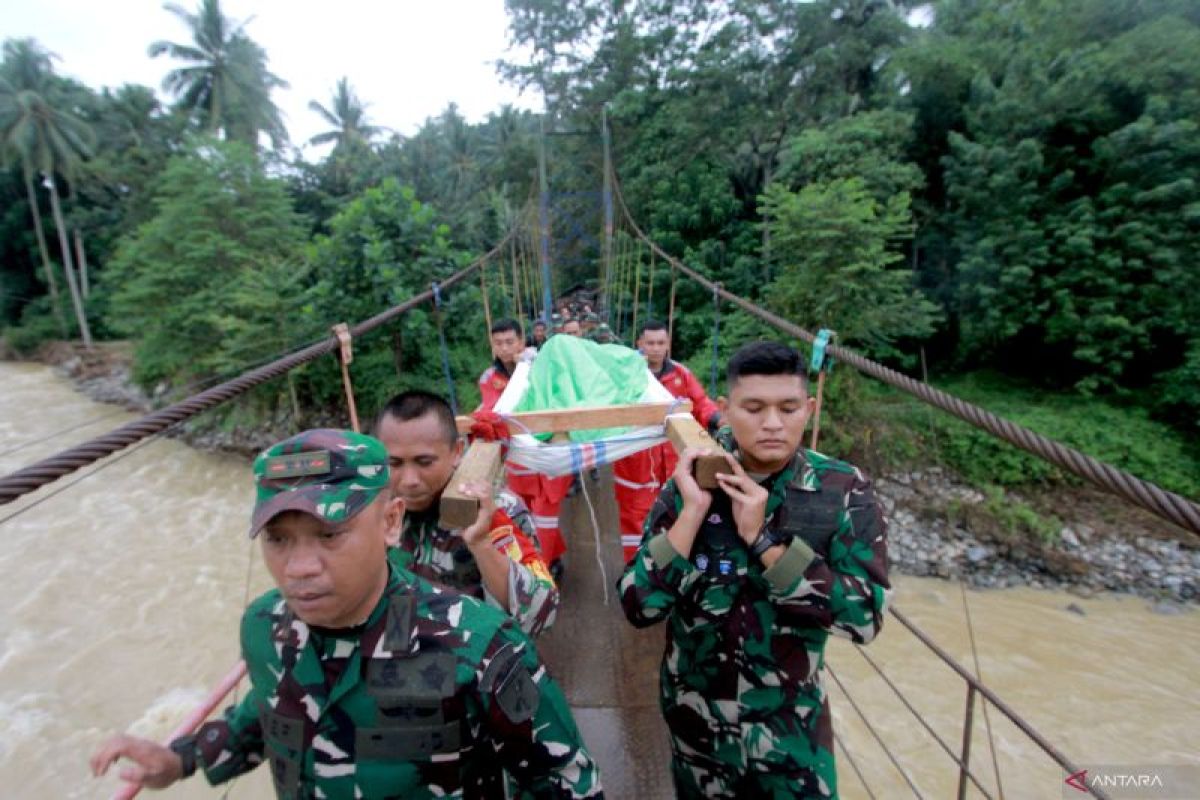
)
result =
(615, 696)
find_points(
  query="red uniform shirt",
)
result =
(680, 382)
(492, 384)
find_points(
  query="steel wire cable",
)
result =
(907, 704)
(47, 470)
(878, 739)
(183, 390)
(1170, 506)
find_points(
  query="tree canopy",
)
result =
(1011, 186)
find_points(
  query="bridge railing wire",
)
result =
(50, 469)
(1168, 505)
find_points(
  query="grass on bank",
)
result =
(889, 431)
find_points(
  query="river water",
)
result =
(121, 597)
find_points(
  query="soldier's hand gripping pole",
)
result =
(684, 432)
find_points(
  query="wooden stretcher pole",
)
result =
(586, 418)
(684, 432)
(481, 463)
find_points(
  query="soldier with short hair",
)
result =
(539, 335)
(365, 680)
(497, 559)
(751, 579)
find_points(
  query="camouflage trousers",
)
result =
(774, 757)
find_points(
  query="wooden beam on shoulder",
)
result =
(587, 418)
(480, 463)
(684, 432)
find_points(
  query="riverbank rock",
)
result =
(940, 528)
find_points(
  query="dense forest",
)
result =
(1005, 193)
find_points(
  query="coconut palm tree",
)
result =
(226, 85)
(45, 140)
(19, 59)
(348, 116)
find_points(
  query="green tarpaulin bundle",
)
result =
(571, 372)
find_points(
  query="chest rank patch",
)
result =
(296, 465)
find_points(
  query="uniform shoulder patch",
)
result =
(510, 684)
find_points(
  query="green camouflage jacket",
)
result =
(441, 555)
(745, 645)
(436, 695)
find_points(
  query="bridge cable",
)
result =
(987, 720)
(437, 319)
(908, 704)
(854, 764)
(671, 311)
(29, 478)
(871, 728)
(1170, 506)
(716, 338)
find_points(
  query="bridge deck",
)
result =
(607, 668)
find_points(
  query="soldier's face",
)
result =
(539, 333)
(654, 346)
(571, 328)
(421, 459)
(768, 414)
(506, 346)
(332, 575)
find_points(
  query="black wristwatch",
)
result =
(185, 748)
(767, 538)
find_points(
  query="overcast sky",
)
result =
(407, 58)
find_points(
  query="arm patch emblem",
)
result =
(508, 680)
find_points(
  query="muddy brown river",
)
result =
(121, 596)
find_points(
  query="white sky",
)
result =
(408, 59)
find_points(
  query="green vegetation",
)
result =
(1012, 187)
(1005, 517)
(902, 428)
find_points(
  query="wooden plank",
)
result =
(587, 418)
(480, 463)
(685, 432)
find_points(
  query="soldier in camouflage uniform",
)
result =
(752, 578)
(497, 560)
(602, 334)
(367, 681)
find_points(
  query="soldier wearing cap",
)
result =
(367, 681)
(602, 334)
(495, 560)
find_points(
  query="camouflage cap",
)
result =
(331, 474)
